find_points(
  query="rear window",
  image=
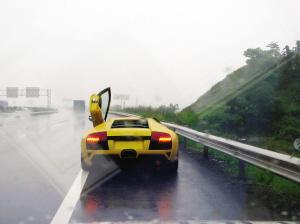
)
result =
(138, 123)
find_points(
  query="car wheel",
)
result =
(84, 165)
(173, 166)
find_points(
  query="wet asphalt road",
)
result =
(144, 194)
(41, 158)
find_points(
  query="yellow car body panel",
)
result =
(95, 110)
(141, 147)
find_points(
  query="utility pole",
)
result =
(49, 98)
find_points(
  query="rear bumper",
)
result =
(142, 152)
(170, 155)
(145, 159)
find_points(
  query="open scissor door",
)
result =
(99, 106)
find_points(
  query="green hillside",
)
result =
(260, 101)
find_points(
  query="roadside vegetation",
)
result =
(259, 102)
(264, 111)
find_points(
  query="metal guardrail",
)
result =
(43, 112)
(281, 164)
(35, 113)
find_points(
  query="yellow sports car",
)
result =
(129, 138)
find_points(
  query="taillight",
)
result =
(160, 141)
(96, 141)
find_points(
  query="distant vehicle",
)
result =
(126, 139)
(3, 104)
(78, 105)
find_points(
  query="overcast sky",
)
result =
(159, 52)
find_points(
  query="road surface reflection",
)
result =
(138, 193)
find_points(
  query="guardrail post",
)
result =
(205, 151)
(184, 143)
(242, 174)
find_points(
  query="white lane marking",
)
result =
(64, 213)
(105, 178)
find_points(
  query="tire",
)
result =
(84, 165)
(173, 166)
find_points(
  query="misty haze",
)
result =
(149, 111)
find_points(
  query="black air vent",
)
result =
(138, 123)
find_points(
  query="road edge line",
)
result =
(65, 210)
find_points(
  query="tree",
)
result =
(262, 59)
(286, 70)
(297, 60)
(274, 49)
(297, 49)
(287, 52)
(253, 54)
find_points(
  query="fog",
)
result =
(158, 52)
